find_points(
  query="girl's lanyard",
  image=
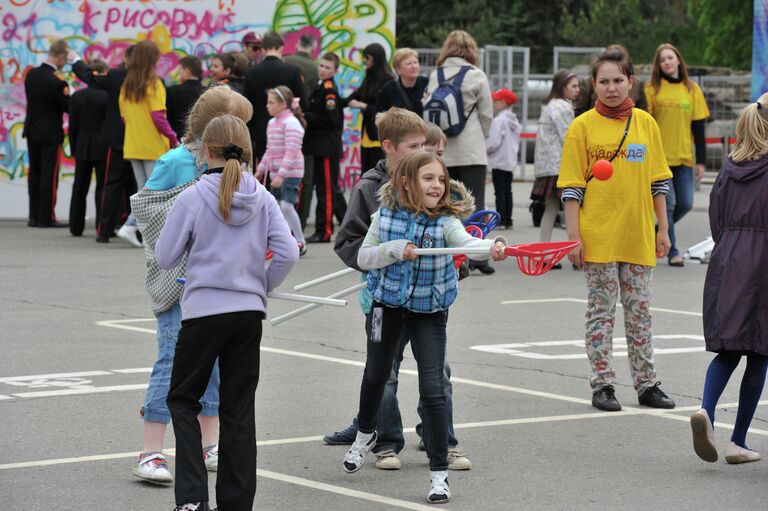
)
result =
(626, 131)
(621, 144)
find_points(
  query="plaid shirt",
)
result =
(428, 284)
(151, 208)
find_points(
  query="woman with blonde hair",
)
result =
(407, 90)
(465, 154)
(224, 226)
(680, 110)
(148, 135)
(174, 172)
(735, 295)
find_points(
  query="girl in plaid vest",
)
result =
(418, 209)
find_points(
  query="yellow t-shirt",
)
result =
(616, 220)
(674, 107)
(142, 140)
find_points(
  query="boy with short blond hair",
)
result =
(401, 133)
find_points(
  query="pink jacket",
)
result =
(283, 156)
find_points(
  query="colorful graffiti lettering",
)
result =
(105, 28)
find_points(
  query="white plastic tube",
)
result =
(325, 278)
(453, 251)
(290, 315)
(319, 300)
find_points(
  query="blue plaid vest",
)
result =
(428, 284)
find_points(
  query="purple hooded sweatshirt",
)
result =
(736, 287)
(225, 268)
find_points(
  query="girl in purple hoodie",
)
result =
(223, 224)
(735, 295)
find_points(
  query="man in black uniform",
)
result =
(268, 74)
(119, 174)
(180, 98)
(322, 142)
(87, 108)
(308, 67)
(47, 101)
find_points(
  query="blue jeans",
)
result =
(142, 169)
(389, 423)
(428, 342)
(679, 200)
(155, 408)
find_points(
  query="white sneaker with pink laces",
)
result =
(153, 467)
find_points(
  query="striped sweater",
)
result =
(283, 156)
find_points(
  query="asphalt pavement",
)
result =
(77, 341)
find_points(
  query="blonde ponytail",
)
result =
(752, 131)
(227, 136)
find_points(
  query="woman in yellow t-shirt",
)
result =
(679, 108)
(148, 135)
(614, 220)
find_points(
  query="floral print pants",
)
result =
(604, 282)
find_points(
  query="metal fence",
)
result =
(508, 66)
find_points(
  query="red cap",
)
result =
(251, 38)
(505, 95)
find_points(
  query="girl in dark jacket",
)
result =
(377, 73)
(735, 294)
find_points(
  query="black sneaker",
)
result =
(655, 398)
(483, 267)
(194, 506)
(605, 399)
(344, 437)
(318, 238)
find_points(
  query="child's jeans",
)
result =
(155, 408)
(428, 342)
(604, 282)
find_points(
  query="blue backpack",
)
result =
(445, 106)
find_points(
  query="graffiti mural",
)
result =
(104, 28)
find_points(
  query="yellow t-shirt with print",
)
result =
(674, 107)
(616, 220)
(142, 140)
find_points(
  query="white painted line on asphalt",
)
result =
(467, 425)
(62, 461)
(133, 370)
(75, 392)
(723, 405)
(520, 349)
(717, 423)
(119, 324)
(2, 397)
(579, 300)
(356, 363)
(371, 497)
(53, 376)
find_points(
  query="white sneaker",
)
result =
(355, 457)
(387, 460)
(439, 492)
(153, 467)
(211, 457)
(457, 459)
(128, 233)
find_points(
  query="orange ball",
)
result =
(602, 170)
